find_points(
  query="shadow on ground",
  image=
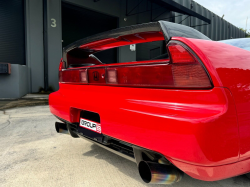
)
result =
(130, 169)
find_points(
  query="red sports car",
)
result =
(186, 112)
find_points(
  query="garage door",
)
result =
(78, 23)
(12, 36)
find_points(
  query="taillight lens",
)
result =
(72, 76)
(183, 70)
(112, 76)
(187, 69)
(155, 75)
(83, 76)
(190, 76)
(179, 54)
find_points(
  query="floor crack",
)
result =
(8, 121)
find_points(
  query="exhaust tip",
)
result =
(145, 172)
(155, 173)
(61, 128)
(57, 127)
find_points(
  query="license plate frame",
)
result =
(91, 125)
(84, 130)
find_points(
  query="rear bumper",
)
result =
(192, 129)
(206, 173)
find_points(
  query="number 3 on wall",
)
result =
(53, 22)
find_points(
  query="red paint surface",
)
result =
(203, 132)
(232, 66)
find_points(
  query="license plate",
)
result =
(91, 125)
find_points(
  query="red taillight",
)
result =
(155, 75)
(183, 70)
(73, 76)
(179, 54)
(190, 76)
(112, 76)
(70, 76)
(83, 76)
(187, 70)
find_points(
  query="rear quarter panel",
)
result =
(229, 67)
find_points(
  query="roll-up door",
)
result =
(12, 33)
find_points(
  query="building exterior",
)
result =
(33, 33)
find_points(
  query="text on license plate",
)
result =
(94, 126)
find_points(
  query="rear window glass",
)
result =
(243, 43)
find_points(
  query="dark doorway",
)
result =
(78, 23)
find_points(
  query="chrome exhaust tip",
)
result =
(61, 128)
(155, 173)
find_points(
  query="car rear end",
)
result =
(171, 112)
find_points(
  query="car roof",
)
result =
(243, 43)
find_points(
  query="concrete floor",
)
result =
(33, 154)
(27, 100)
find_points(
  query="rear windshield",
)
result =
(243, 43)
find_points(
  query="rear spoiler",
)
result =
(168, 29)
